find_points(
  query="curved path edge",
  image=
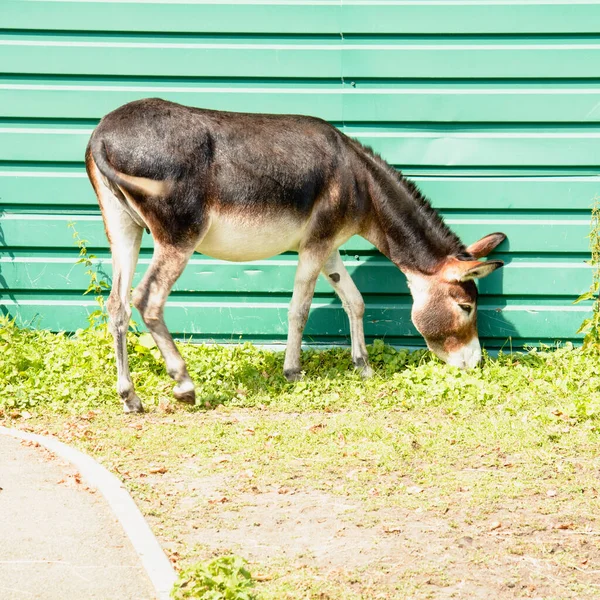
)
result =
(155, 562)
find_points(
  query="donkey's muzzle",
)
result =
(465, 357)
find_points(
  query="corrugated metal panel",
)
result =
(492, 107)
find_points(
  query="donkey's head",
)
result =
(445, 303)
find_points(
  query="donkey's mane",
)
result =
(425, 213)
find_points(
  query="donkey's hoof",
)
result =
(362, 366)
(133, 404)
(292, 374)
(185, 393)
(365, 372)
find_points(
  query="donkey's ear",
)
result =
(465, 270)
(485, 245)
(481, 269)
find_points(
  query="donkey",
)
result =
(243, 187)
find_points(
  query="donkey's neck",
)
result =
(405, 227)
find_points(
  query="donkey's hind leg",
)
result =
(149, 298)
(354, 305)
(125, 237)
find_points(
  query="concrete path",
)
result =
(59, 540)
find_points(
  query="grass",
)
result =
(424, 481)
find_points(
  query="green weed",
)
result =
(223, 578)
(591, 325)
(97, 284)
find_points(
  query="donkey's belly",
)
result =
(240, 238)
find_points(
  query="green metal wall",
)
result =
(492, 107)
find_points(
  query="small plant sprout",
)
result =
(591, 325)
(98, 319)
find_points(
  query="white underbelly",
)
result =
(241, 239)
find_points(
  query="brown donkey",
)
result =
(243, 187)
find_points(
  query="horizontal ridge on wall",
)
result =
(428, 145)
(45, 185)
(335, 101)
(214, 320)
(329, 57)
(522, 276)
(530, 234)
(300, 16)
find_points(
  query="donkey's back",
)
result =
(234, 159)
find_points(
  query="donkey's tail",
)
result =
(122, 185)
(97, 150)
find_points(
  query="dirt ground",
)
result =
(518, 552)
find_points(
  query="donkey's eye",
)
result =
(467, 308)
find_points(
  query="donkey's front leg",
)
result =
(149, 298)
(309, 265)
(354, 305)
